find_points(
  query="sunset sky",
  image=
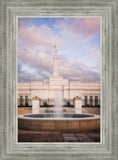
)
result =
(78, 48)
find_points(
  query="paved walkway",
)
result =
(32, 136)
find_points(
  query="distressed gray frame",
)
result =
(10, 10)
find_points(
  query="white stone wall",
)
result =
(46, 89)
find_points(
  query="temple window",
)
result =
(85, 100)
(21, 100)
(26, 100)
(91, 100)
(96, 100)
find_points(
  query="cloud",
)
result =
(35, 53)
(93, 51)
(78, 71)
(42, 35)
(82, 29)
(35, 64)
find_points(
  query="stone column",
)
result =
(35, 105)
(78, 104)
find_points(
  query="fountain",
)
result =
(50, 122)
(59, 121)
(58, 104)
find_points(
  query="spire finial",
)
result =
(55, 48)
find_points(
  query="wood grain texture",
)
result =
(10, 10)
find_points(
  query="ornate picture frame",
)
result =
(10, 148)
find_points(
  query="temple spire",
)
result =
(55, 63)
(55, 49)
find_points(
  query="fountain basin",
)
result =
(52, 123)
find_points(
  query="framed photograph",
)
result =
(59, 80)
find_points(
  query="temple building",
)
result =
(46, 89)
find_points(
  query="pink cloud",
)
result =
(35, 56)
(92, 25)
(38, 64)
(79, 28)
(94, 52)
(41, 36)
